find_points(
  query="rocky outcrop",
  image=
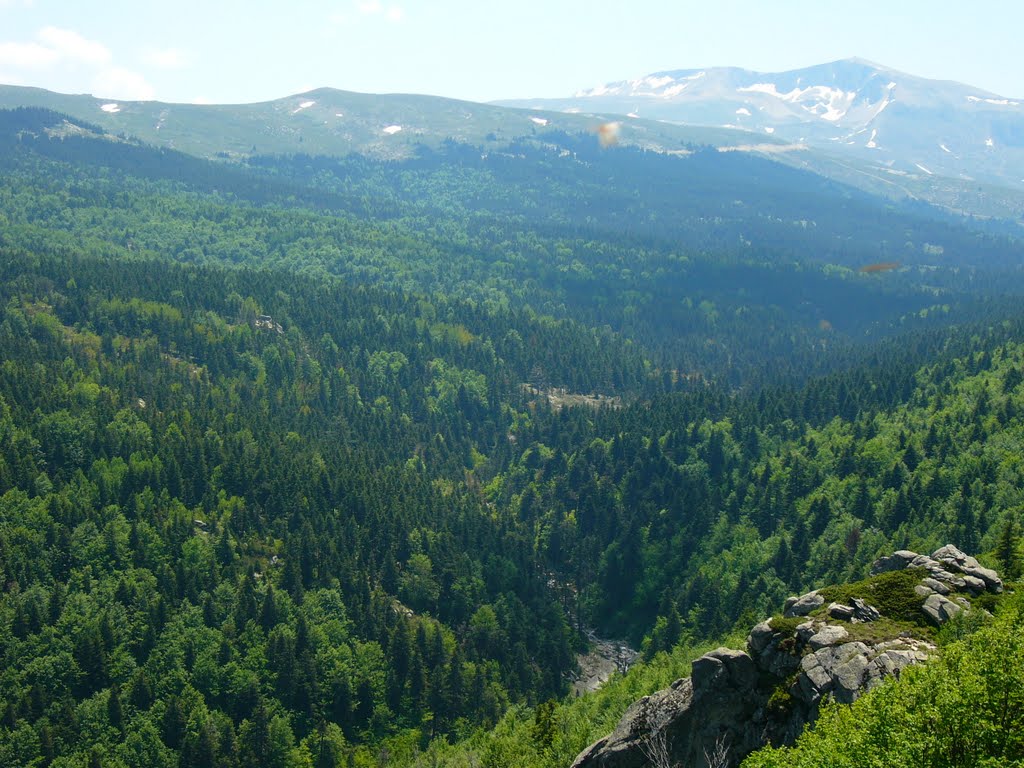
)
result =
(948, 569)
(737, 701)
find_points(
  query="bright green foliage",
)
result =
(290, 472)
(726, 516)
(964, 710)
(1008, 549)
(891, 593)
(217, 550)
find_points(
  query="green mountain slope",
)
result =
(304, 458)
(704, 511)
(229, 520)
(391, 126)
(704, 284)
(332, 122)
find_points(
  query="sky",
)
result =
(229, 51)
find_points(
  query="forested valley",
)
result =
(328, 462)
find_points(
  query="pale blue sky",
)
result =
(235, 51)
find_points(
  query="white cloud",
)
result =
(51, 47)
(68, 44)
(27, 56)
(370, 8)
(167, 58)
(120, 83)
(395, 14)
(78, 63)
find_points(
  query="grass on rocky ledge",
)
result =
(891, 593)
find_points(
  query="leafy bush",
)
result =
(891, 593)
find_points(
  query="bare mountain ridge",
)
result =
(894, 124)
(852, 121)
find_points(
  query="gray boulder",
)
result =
(840, 611)
(940, 609)
(897, 561)
(949, 570)
(956, 560)
(803, 605)
(726, 698)
(826, 636)
(863, 612)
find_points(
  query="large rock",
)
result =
(940, 609)
(760, 637)
(953, 558)
(826, 636)
(733, 698)
(717, 704)
(949, 570)
(897, 561)
(803, 605)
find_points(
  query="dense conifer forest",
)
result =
(326, 462)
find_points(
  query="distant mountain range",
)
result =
(331, 122)
(853, 121)
(894, 124)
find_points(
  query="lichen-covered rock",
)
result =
(863, 612)
(719, 701)
(858, 611)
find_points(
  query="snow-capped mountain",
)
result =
(897, 122)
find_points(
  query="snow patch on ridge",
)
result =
(872, 144)
(827, 103)
(599, 90)
(391, 130)
(997, 102)
(539, 120)
(653, 82)
(302, 106)
(675, 90)
(944, 148)
(924, 169)
(743, 111)
(111, 108)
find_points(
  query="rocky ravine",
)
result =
(735, 702)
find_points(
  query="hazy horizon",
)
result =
(458, 49)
